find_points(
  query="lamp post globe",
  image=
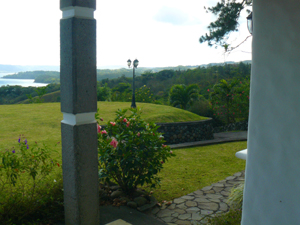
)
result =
(129, 62)
(135, 63)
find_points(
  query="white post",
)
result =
(273, 161)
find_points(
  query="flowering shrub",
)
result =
(25, 179)
(33, 161)
(144, 94)
(131, 151)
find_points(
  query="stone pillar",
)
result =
(79, 104)
(273, 162)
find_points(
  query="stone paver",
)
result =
(196, 207)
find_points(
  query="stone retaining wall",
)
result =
(243, 125)
(175, 133)
(180, 132)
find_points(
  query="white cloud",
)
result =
(172, 15)
(157, 32)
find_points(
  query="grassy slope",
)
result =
(194, 168)
(150, 112)
(41, 122)
(51, 97)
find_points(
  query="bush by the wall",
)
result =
(131, 151)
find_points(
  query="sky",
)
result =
(158, 33)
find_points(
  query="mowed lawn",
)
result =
(191, 169)
(197, 167)
(41, 122)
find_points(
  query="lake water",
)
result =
(21, 82)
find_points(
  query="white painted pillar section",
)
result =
(78, 12)
(78, 119)
(272, 183)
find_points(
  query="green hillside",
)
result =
(41, 122)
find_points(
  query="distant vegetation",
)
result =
(17, 94)
(39, 76)
(218, 91)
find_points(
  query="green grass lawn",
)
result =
(198, 167)
(190, 170)
(41, 122)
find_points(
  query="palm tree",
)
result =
(182, 96)
(223, 94)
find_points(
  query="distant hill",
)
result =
(50, 74)
(39, 76)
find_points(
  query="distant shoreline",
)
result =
(21, 82)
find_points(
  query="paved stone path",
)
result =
(196, 207)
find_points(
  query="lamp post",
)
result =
(250, 23)
(135, 64)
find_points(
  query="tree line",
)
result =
(219, 91)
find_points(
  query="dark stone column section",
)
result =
(80, 166)
(81, 3)
(78, 66)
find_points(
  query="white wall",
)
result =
(272, 189)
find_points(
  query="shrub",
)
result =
(201, 107)
(235, 199)
(25, 180)
(144, 94)
(131, 151)
(233, 217)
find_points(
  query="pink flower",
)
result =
(101, 119)
(138, 134)
(127, 125)
(113, 123)
(124, 120)
(162, 162)
(171, 152)
(164, 146)
(98, 128)
(103, 132)
(114, 143)
(233, 113)
(208, 90)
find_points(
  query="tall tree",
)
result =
(222, 99)
(182, 96)
(228, 12)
